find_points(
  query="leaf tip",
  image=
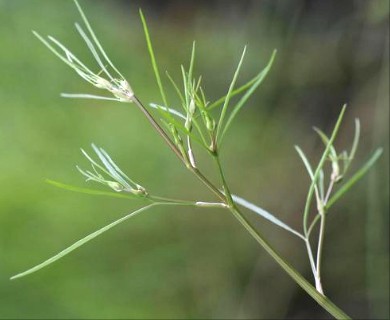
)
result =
(141, 14)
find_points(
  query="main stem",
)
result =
(227, 199)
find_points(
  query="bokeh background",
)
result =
(191, 263)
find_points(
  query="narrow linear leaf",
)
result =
(94, 163)
(89, 191)
(87, 96)
(71, 59)
(116, 168)
(325, 140)
(228, 95)
(80, 243)
(355, 178)
(235, 92)
(152, 58)
(166, 109)
(94, 52)
(185, 87)
(305, 162)
(355, 139)
(321, 184)
(265, 214)
(318, 186)
(59, 55)
(191, 68)
(247, 95)
(95, 39)
(354, 147)
(176, 87)
(112, 168)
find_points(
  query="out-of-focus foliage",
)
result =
(191, 263)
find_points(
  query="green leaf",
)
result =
(355, 139)
(95, 39)
(228, 96)
(90, 191)
(80, 243)
(354, 147)
(235, 92)
(325, 140)
(319, 185)
(191, 68)
(167, 110)
(247, 95)
(186, 88)
(305, 162)
(153, 59)
(59, 55)
(176, 87)
(355, 178)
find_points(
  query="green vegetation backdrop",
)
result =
(191, 263)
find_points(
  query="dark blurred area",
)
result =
(192, 263)
(348, 38)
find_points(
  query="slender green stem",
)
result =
(170, 200)
(156, 126)
(228, 195)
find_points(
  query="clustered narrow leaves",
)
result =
(118, 181)
(196, 123)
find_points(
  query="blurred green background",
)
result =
(191, 263)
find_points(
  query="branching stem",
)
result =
(226, 197)
(176, 150)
